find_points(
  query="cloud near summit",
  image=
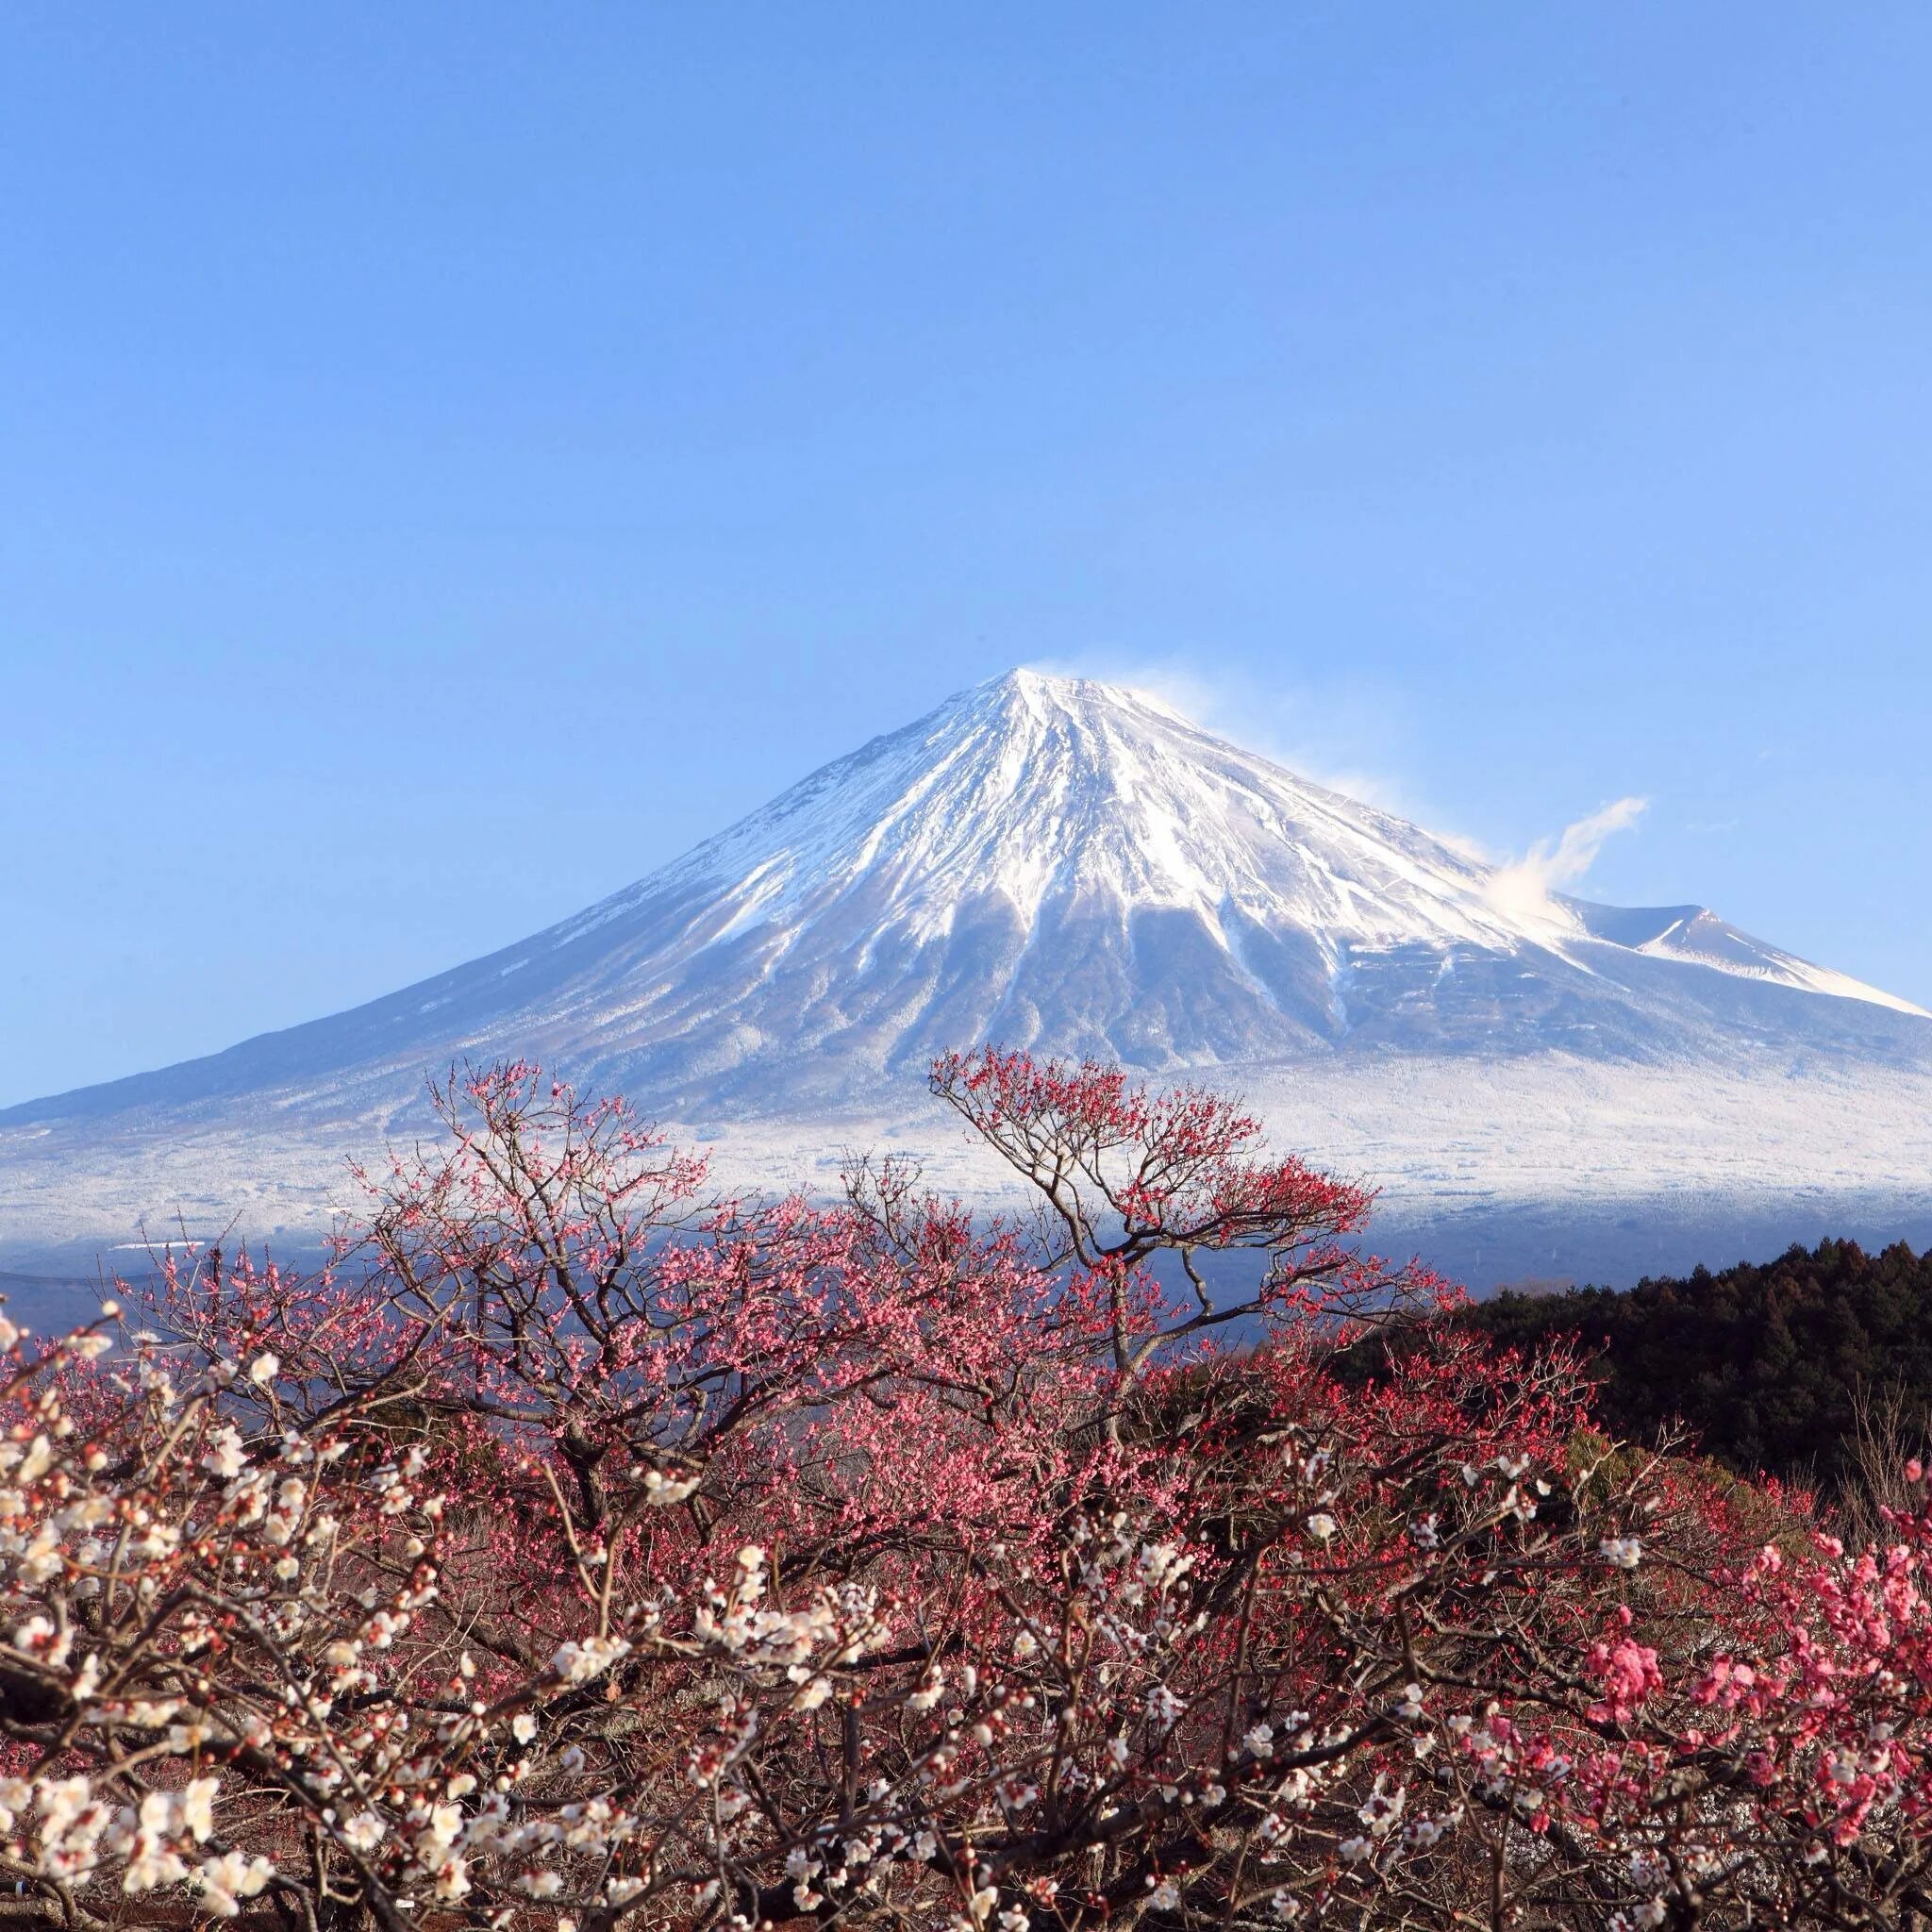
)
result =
(1525, 885)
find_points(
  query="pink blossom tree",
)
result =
(580, 1549)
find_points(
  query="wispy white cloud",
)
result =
(1525, 885)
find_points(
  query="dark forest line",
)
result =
(1786, 1368)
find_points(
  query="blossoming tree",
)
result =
(582, 1551)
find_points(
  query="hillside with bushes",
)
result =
(1776, 1368)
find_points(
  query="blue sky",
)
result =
(452, 458)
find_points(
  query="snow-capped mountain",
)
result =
(1064, 865)
(1048, 863)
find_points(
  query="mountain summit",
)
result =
(1060, 864)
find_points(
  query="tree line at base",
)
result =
(1796, 1368)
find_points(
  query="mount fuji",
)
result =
(1079, 869)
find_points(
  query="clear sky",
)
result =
(453, 457)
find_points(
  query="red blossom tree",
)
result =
(581, 1551)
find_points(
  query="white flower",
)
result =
(197, 1807)
(363, 1832)
(1164, 1706)
(523, 1728)
(1165, 1897)
(224, 1458)
(37, 1637)
(1160, 1563)
(225, 1881)
(71, 1821)
(1321, 1526)
(151, 1863)
(1384, 1807)
(1261, 1740)
(452, 1876)
(1624, 1552)
(660, 1490)
(577, 1663)
(444, 1827)
(264, 1369)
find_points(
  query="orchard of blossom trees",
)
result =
(582, 1552)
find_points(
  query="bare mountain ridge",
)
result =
(1053, 863)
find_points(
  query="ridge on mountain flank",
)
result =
(1060, 864)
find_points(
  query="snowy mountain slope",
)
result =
(1054, 863)
(1060, 864)
(1697, 934)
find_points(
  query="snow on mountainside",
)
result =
(1696, 933)
(1066, 865)
(1041, 861)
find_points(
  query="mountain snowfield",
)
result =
(1077, 868)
